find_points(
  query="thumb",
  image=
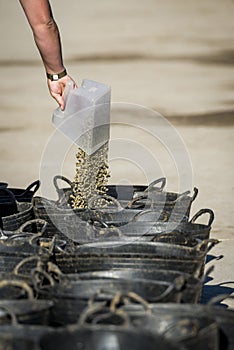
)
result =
(60, 100)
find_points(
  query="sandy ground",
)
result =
(174, 57)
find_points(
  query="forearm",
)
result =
(47, 39)
(45, 32)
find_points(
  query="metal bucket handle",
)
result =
(63, 178)
(201, 212)
(20, 284)
(152, 187)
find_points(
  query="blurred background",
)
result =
(175, 57)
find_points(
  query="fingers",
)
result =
(57, 88)
(58, 98)
(60, 101)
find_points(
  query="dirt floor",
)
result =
(171, 58)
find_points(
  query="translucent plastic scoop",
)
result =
(86, 117)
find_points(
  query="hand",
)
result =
(57, 88)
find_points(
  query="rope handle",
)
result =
(20, 284)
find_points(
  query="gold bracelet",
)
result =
(55, 77)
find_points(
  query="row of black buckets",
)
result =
(127, 275)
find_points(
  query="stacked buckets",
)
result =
(123, 276)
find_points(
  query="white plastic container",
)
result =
(86, 117)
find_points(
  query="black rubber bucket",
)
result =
(16, 336)
(147, 255)
(12, 222)
(224, 318)
(25, 232)
(142, 225)
(147, 249)
(8, 206)
(171, 203)
(105, 338)
(14, 252)
(74, 264)
(140, 197)
(152, 291)
(28, 311)
(59, 219)
(120, 192)
(20, 194)
(192, 331)
(65, 221)
(13, 289)
(70, 297)
(191, 291)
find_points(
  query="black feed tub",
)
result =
(223, 318)
(109, 255)
(139, 197)
(191, 290)
(20, 194)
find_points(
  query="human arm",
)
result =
(47, 38)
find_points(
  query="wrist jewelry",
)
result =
(55, 77)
